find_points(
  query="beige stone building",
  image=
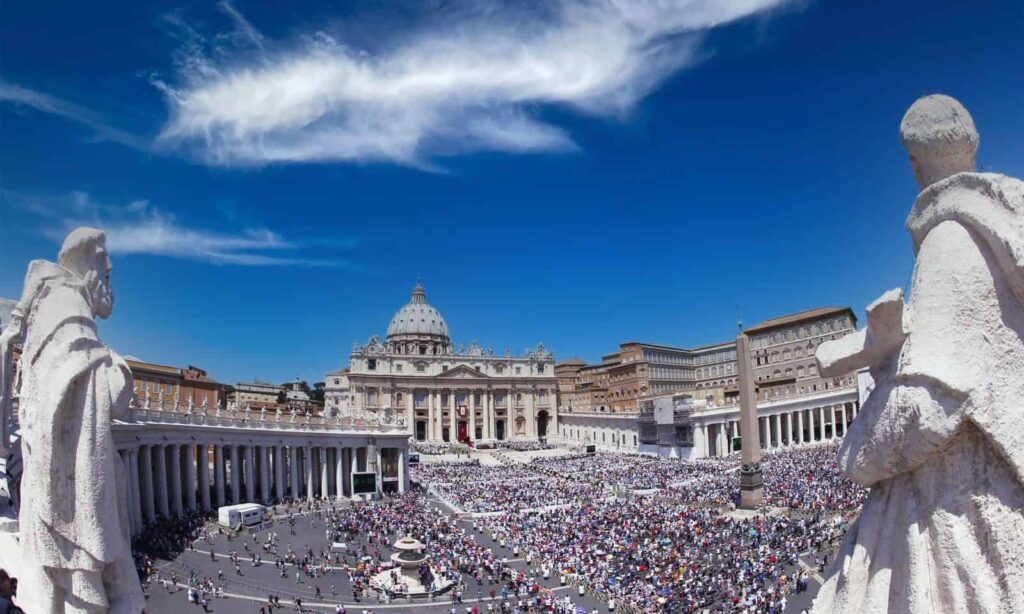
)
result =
(795, 404)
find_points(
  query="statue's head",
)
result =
(939, 134)
(84, 253)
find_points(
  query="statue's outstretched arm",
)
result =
(874, 346)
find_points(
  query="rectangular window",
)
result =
(371, 364)
(398, 368)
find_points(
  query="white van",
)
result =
(243, 514)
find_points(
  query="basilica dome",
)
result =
(418, 319)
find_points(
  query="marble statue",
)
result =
(940, 438)
(75, 548)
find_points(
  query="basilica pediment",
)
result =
(462, 372)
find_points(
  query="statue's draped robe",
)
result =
(941, 438)
(73, 520)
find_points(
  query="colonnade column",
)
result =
(133, 479)
(190, 476)
(800, 426)
(264, 463)
(308, 466)
(130, 496)
(234, 456)
(843, 406)
(339, 472)
(821, 424)
(250, 473)
(787, 420)
(175, 479)
(203, 465)
(293, 467)
(325, 479)
(148, 500)
(161, 481)
(279, 472)
(218, 473)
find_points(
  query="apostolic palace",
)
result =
(469, 394)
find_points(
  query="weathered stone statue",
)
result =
(76, 554)
(940, 440)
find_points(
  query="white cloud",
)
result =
(140, 228)
(477, 80)
(46, 103)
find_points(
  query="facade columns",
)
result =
(843, 406)
(218, 474)
(472, 414)
(776, 435)
(451, 408)
(788, 423)
(832, 421)
(402, 474)
(203, 464)
(161, 481)
(800, 426)
(821, 424)
(431, 419)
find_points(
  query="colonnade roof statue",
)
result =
(940, 439)
(73, 522)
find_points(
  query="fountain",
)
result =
(406, 577)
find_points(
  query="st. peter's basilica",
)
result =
(469, 394)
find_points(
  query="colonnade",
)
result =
(171, 479)
(783, 429)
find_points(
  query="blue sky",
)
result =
(275, 178)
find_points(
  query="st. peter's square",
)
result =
(573, 307)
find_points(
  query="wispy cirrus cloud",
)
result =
(140, 228)
(479, 79)
(100, 125)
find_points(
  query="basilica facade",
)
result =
(468, 394)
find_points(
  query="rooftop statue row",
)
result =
(375, 347)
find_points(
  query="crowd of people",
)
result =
(472, 488)
(430, 448)
(523, 445)
(658, 554)
(674, 549)
(634, 472)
